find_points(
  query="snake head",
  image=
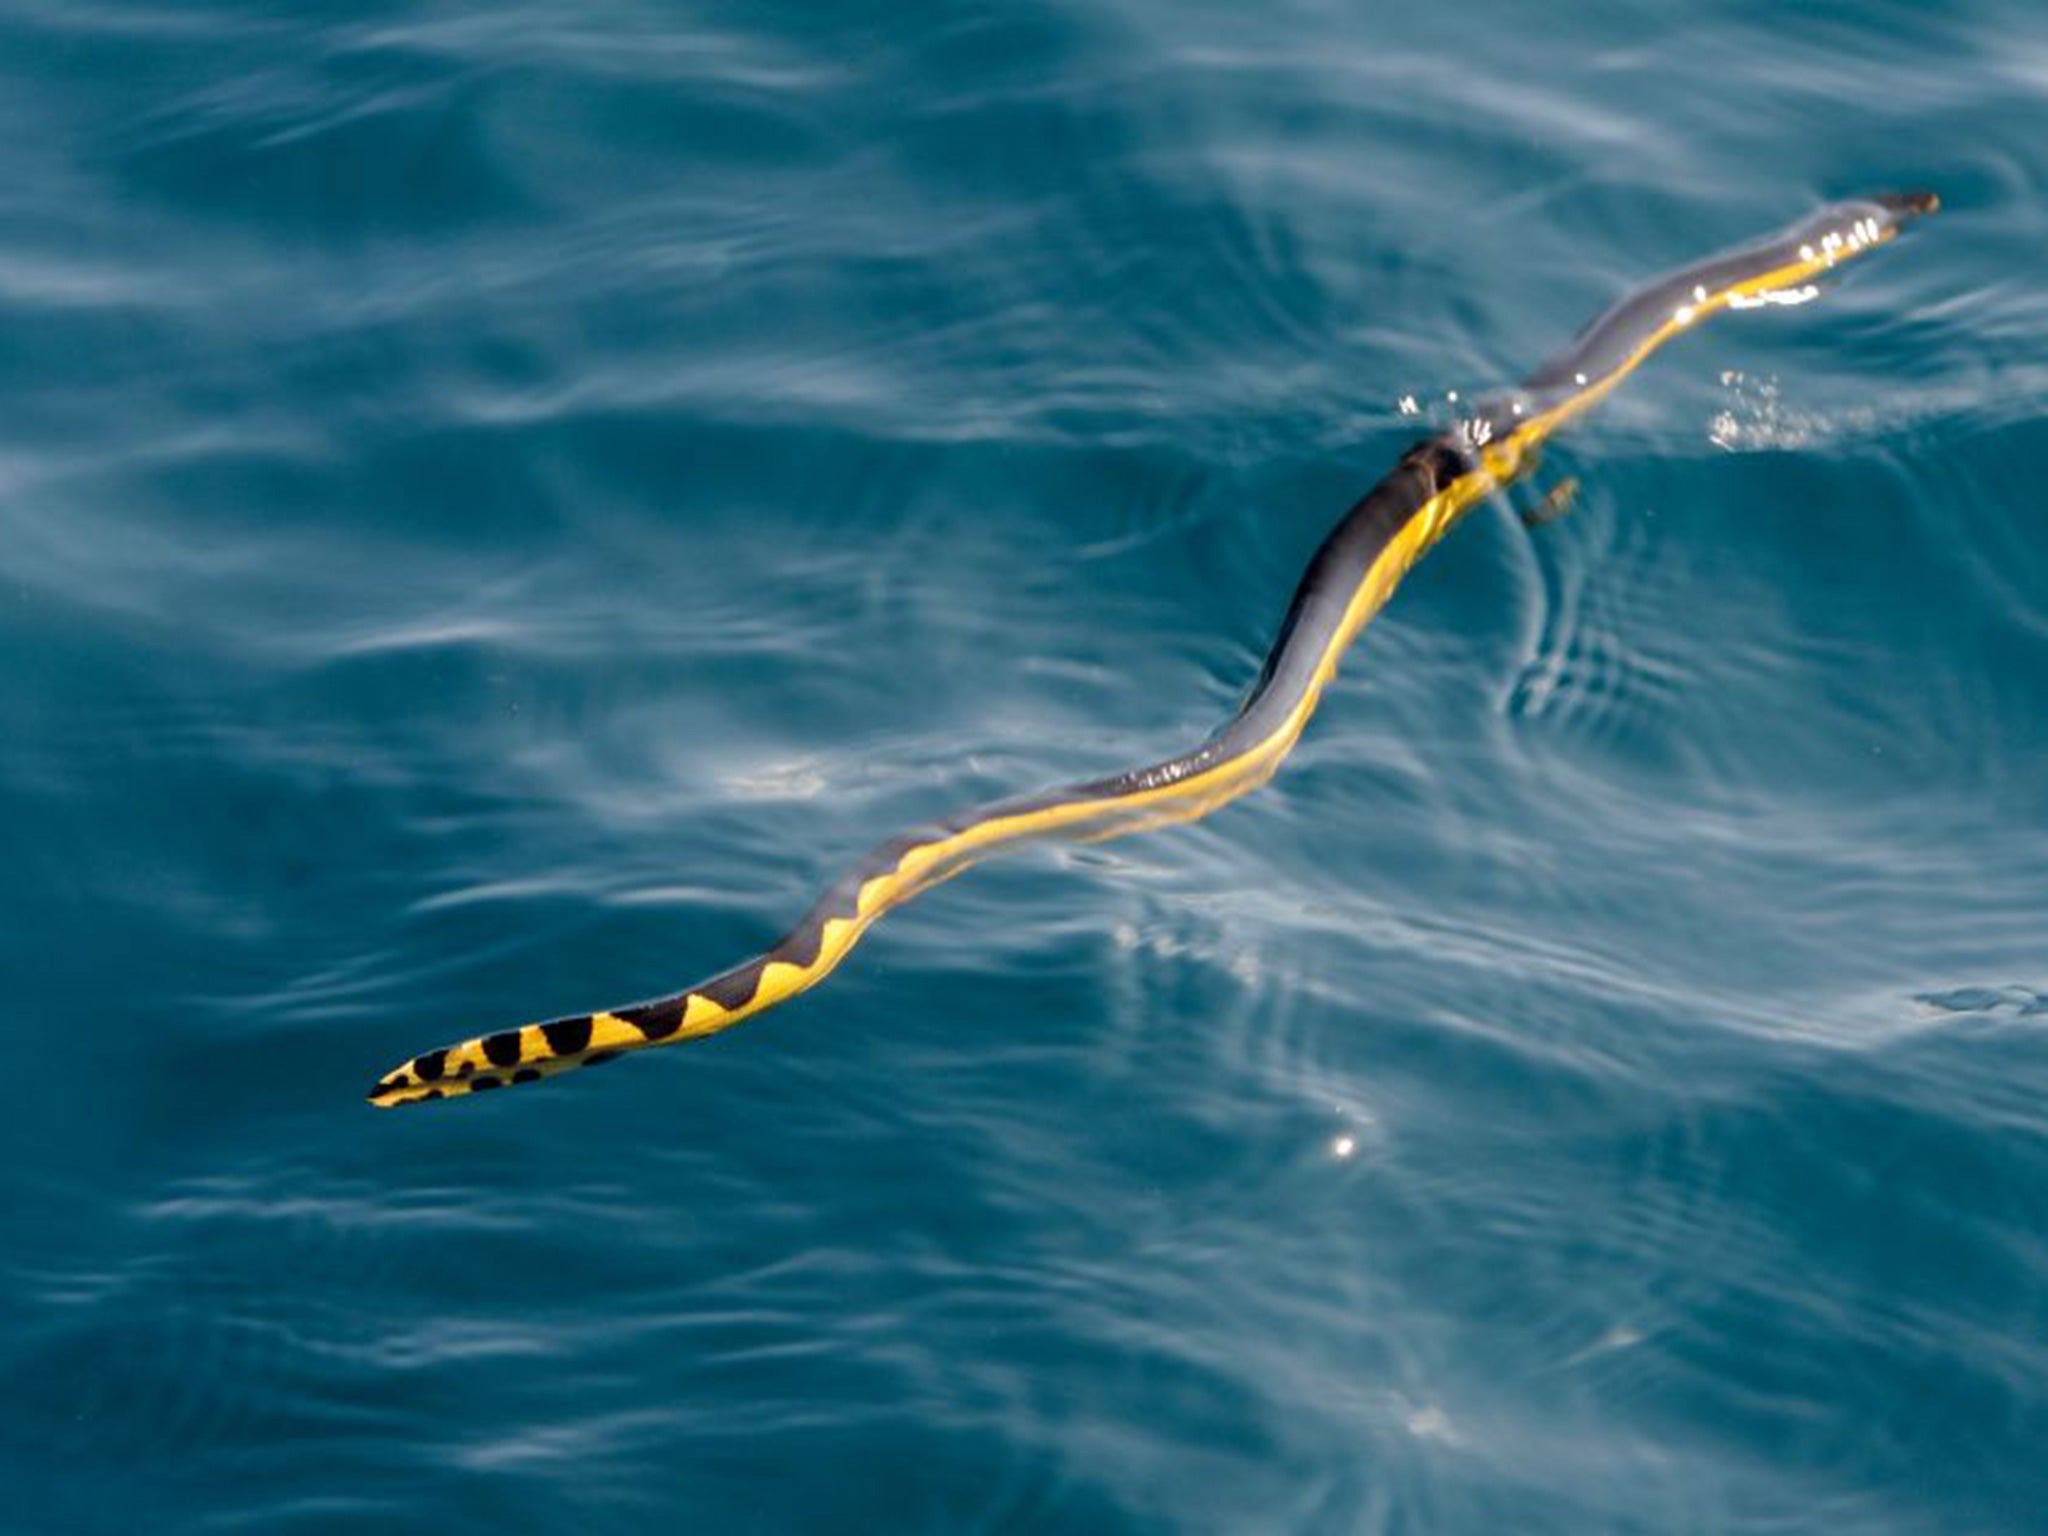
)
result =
(1908, 205)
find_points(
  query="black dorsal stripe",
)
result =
(736, 988)
(657, 1021)
(565, 1037)
(501, 1049)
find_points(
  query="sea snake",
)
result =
(1350, 578)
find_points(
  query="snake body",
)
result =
(1347, 582)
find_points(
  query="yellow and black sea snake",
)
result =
(1348, 581)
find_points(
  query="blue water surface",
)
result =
(500, 503)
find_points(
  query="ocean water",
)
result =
(500, 503)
